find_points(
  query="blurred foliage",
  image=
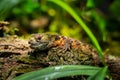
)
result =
(34, 16)
(115, 9)
(6, 6)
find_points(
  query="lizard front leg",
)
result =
(62, 42)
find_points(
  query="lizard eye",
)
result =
(57, 38)
(38, 38)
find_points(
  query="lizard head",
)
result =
(42, 40)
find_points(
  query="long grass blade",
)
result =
(81, 22)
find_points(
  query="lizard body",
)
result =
(61, 50)
(43, 41)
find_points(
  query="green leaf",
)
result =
(28, 8)
(90, 3)
(6, 6)
(81, 23)
(101, 22)
(100, 75)
(58, 72)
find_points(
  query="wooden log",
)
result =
(17, 57)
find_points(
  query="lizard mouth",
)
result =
(39, 45)
(34, 45)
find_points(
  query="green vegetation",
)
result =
(51, 73)
(91, 21)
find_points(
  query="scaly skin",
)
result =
(61, 50)
(44, 41)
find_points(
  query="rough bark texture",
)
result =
(16, 58)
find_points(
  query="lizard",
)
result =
(43, 41)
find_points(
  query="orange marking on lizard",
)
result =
(59, 41)
(74, 44)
